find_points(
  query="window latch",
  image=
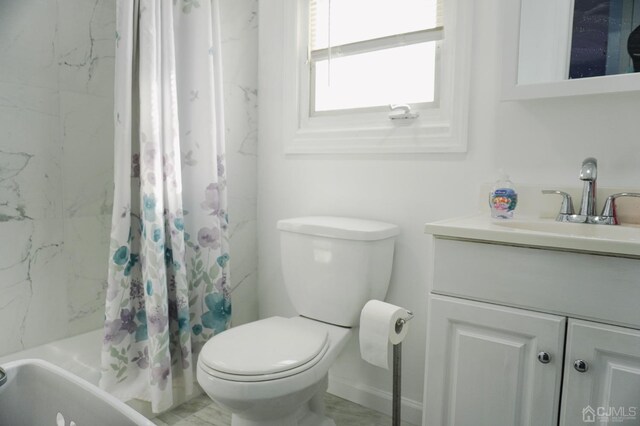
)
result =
(402, 112)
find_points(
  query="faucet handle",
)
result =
(566, 208)
(609, 210)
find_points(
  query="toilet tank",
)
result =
(333, 265)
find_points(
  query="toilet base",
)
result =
(311, 413)
(296, 400)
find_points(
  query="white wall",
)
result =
(537, 142)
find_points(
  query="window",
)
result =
(346, 61)
(386, 55)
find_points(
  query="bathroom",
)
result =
(57, 136)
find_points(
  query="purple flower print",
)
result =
(113, 332)
(127, 320)
(209, 237)
(160, 373)
(142, 359)
(211, 198)
(156, 322)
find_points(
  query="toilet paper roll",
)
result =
(378, 331)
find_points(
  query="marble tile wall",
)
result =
(239, 26)
(85, 58)
(56, 163)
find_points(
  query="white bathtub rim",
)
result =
(81, 355)
(85, 385)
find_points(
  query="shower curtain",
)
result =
(167, 290)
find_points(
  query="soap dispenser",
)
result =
(503, 198)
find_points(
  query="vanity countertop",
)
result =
(618, 240)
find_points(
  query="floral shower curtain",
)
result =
(168, 276)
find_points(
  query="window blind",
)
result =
(326, 35)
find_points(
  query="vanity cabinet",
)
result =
(612, 357)
(510, 327)
(482, 367)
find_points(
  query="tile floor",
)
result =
(201, 411)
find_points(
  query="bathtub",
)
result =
(36, 392)
(80, 355)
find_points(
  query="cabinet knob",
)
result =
(544, 357)
(580, 365)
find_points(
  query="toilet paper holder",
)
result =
(397, 367)
(402, 321)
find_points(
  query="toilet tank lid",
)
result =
(347, 228)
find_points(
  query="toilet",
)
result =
(273, 372)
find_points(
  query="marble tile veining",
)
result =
(201, 411)
(31, 278)
(30, 153)
(86, 53)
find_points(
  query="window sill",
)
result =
(405, 138)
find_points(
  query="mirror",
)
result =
(570, 47)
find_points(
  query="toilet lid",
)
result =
(268, 346)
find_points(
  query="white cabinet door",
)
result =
(608, 392)
(482, 366)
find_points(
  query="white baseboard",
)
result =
(375, 399)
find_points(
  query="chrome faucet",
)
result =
(587, 213)
(589, 174)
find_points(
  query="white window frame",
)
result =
(441, 127)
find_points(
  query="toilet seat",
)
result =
(269, 349)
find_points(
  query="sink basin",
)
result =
(39, 393)
(618, 240)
